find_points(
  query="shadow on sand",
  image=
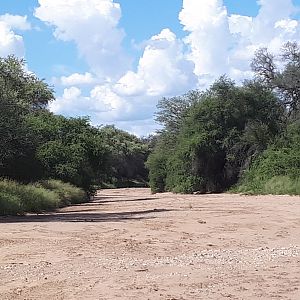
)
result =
(114, 199)
(85, 216)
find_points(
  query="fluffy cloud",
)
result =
(93, 26)
(138, 127)
(162, 70)
(209, 38)
(77, 79)
(221, 43)
(101, 103)
(216, 43)
(16, 22)
(10, 42)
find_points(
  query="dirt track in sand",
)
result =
(129, 244)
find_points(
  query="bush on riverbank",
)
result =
(17, 199)
(277, 171)
(68, 193)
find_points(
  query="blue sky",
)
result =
(141, 19)
(119, 58)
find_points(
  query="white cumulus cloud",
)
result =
(101, 103)
(216, 43)
(16, 21)
(10, 41)
(93, 26)
(221, 43)
(209, 36)
(162, 70)
(78, 79)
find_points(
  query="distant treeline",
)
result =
(244, 138)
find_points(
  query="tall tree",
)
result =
(21, 93)
(225, 128)
(283, 77)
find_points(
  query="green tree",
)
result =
(172, 111)
(283, 79)
(21, 93)
(69, 149)
(219, 135)
(127, 157)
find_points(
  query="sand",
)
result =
(129, 244)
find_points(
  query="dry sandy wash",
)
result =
(129, 244)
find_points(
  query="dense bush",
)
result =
(10, 204)
(68, 193)
(17, 199)
(218, 136)
(27, 198)
(277, 171)
(157, 172)
(69, 149)
(37, 144)
(126, 160)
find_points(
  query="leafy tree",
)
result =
(21, 93)
(69, 149)
(171, 111)
(219, 135)
(283, 78)
(24, 87)
(127, 156)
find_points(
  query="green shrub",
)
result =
(282, 185)
(157, 172)
(38, 199)
(16, 198)
(277, 171)
(68, 194)
(188, 184)
(32, 198)
(10, 204)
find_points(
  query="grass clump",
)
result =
(10, 204)
(68, 193)
(38, 199)
(277, 185)
(17, 198)
(280, 185)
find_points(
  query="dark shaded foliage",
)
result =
(126, 159)
(36, 144)
(277, 170)
(220, 134)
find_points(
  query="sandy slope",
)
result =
(129, 244)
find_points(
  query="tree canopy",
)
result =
(36, 144)
(219, 135)
(284, 76)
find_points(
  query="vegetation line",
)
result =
(243, 138)
(246, 136)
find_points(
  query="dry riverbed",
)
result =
(129, 244)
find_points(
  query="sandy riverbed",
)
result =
(129, 244)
